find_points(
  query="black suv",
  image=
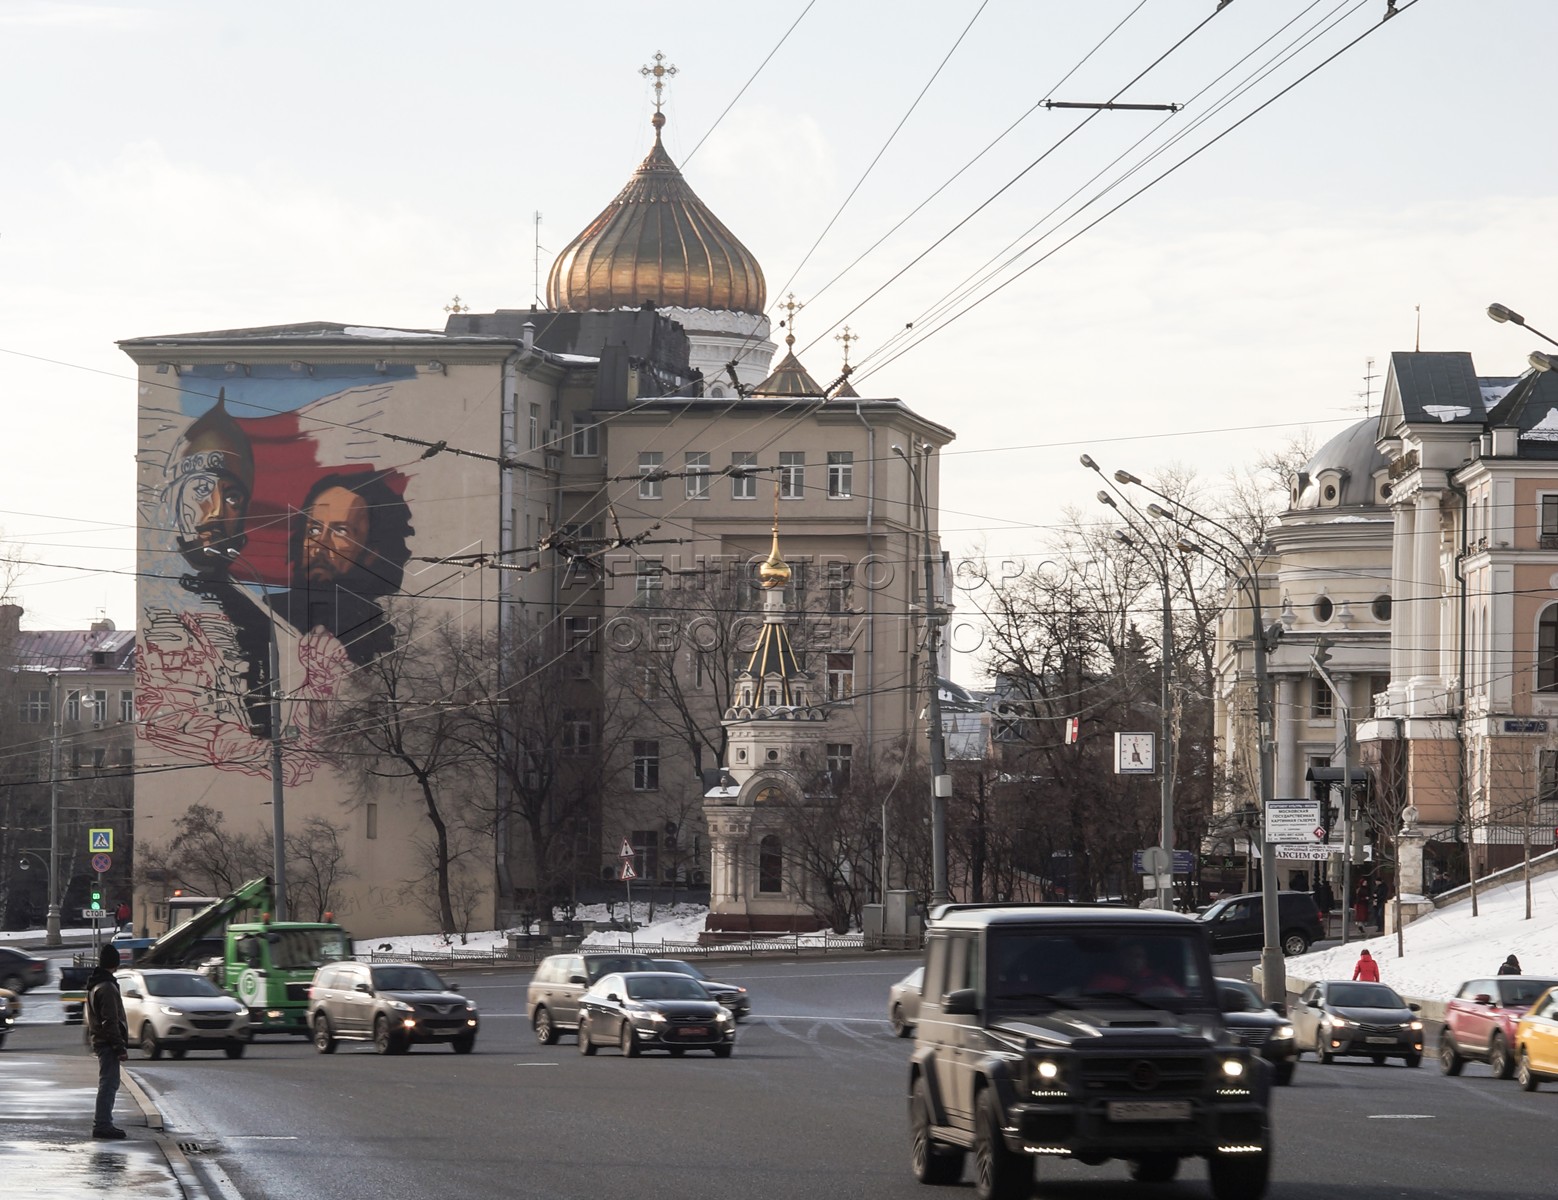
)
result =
(1239, 922)
(1079, 1032)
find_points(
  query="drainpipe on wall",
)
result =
(1462, 808)
(871, 624)
(508, 535)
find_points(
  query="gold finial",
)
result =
(846, 337)
(775, 572)
(791, 308)
(454, 306)
(660, 72)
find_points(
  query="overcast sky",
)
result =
(176, 166)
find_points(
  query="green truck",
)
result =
(267, 964)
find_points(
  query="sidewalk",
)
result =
(46, 1143)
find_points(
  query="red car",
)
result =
(1479, 1023)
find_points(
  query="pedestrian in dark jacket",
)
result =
(109, 1035)
(1366, 969)
(1511, 966)
(1325, 901)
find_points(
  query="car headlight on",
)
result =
(722, 1017)
(1336, 1020)
(1283, 1034)
(469, 1007)
(1046, 1070)
(1414, 1025)
(1233, 1068)
(400, 1006)
(171, 1011)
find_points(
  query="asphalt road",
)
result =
(810, 1107)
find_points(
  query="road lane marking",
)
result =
(1403, 1116)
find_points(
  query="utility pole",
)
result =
(51, 934)
(277, 788)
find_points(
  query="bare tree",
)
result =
(316, 866)
(205, 855)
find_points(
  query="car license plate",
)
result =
(1380, 1041)
(695, 1031)
(1149, 1110)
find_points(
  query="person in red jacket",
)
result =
(1367, 969)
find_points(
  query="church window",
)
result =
(841, 678)
(649, 482)
(586, 436)
(35, 708)
(1323, 609)
(773, 697)
(697, 475)
(743, 484)
(1381, 608)
(770, 864)
(1547, 650)
(792, 474)
(840, 756)
(841, 474)
(646, 765)
(1320, 703)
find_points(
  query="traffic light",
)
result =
(97, 897)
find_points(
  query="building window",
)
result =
(99, 757)
(792, 474)
(579, 632)
(841, 474)
(586, 436)
(1323, 609)
(649, 484)
(35, 708)
(371, 820)
(535, 426)
(75, 761)
(743, 484)
(770, 864)
(841, 678)
(646, 765)
(840, 578)
(72, 706)
(646, 850)
(1549, 520)
(839, 756)
(647, 581)
(1547, 650)
(697, 475)
(126, 758)
(1320, 704)
(1381, 608)
(99, 712)
(578, 733)
(126, 705)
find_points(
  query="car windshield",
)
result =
(1234, 996)
(1132, 965)
(664, 987)
(606, 964)
(1363, 995)
(681, 968)
(1522, 992)
(181, 985)
(406, 979)
(305, 949)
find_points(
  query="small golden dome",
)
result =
(656, 241)
(775, 572)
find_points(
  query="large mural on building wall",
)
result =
(270, 509)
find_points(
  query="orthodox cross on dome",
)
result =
(791, 308)
(454, 306)
(846, 337)
(660, 72)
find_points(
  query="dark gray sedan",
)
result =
(731, 995)
(661, 1010)
(1342, 1019)
(1260, 1026)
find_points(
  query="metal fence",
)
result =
(793, 945)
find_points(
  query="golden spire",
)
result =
(775, 572)
(660, 72)
(791, 308)
(846, 337)
(456, 307)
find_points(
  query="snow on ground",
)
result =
(678, 923)
(1449, 946)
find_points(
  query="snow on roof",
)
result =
(369, 331)
(1446, 412)
(1545, 430)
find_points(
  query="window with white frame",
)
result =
(1321, 706)
(1547, 650)
(646, 765)
(743, 484)
(792, 474)
(648, 578)
(586, 436)
(99, 712)
(578, 733)
(34, 708)
(649, 468)
(535, 426)
(72, 705)
(1549, 517)
(646, 852)
(840, 757)
(840, 577)
(126, 705)
(579, 632)
(841, 678)
(697, 475)
(841, 474)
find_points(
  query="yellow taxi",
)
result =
(1536, 1042)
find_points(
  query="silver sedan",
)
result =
(903, 1002)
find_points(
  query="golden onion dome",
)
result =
(656, 241)
(774, 572)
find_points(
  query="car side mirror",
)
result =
(961, 1003)
(1482, 998)
(364, 987)
(614, 998)
(453, 987)
(133, 993)
(1415, 1007)
(1280, 1009)
(580, 979)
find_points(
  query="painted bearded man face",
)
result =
(335, 536)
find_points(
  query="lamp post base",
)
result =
(51, 932)
(1273, 976)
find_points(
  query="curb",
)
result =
(183, 1174)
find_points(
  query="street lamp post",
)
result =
(941, 782)
(51, 933)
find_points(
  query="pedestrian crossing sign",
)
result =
(100, 841)
(627, 871)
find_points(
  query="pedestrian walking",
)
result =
(1510, 966)
(1325, 901)
(1366, 969)
(1360, 907)
(109, 1035)
(122, 913)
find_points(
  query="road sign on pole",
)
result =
(626, 871)
(100, 839)
(627, 849)
(101, 863)
(1294, 821)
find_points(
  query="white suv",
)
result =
(180, 1011)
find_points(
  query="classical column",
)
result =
(1401, 607)
(1290, 778)
(1426, 599)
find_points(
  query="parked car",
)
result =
(1239, 922)
(660, 1010)
(1259, 1025)
(903, 1003)
(552, 998)
(730, 995)
(393, 1005)
(20, 970)
(1480, 1020)
(180, 1011)
(10, 1010)
(1536, 1042)
(1343, 1019)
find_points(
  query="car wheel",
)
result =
(586, 1042)
(234, 1049)
(1528, 1078)
(1294, 943)
(1155, 1168)
(178, 1051)
(464, 1044)
(1450, 1060)
(630, 1048)
(150, 1046)
(998, 1173)
(724, 1051)
(901, 1028)
(1240, 1176)
(13, 983)
(1500, 1059)
(383, 1039)
(930, 1161)
(546, 1032)
(1282, 1075)
(1413, 1060)
(324, 1040)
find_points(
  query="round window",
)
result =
(1384, 491)
(1323, 609)
(773, 756)
(1330, 491)
(1381, 608)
